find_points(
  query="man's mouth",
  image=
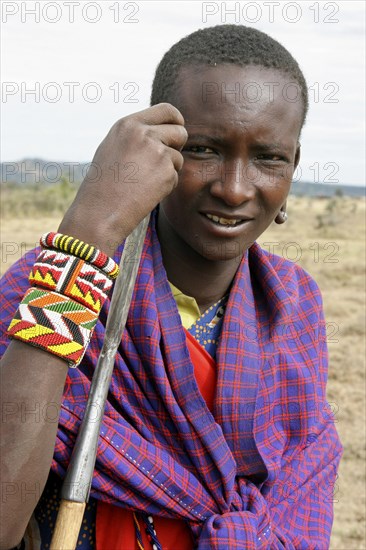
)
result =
(224, 221)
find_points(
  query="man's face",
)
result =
(243, 126)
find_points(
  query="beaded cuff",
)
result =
(81, 250)
(71, 277)
(54, 323)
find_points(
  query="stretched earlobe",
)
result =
(281, 217)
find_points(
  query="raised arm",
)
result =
(133, 168)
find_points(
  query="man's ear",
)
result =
(297, 155)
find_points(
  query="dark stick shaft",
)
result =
(76, 486)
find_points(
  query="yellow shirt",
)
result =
(187, 306)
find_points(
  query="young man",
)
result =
(216, 429)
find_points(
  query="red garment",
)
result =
(115, 527)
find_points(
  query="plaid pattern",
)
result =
(259, 472)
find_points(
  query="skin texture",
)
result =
(103, 213)
(239, 161)
(240, 166)
(135, 167)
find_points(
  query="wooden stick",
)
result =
(77, 483)
(69, 520)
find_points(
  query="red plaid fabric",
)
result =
(257, 472)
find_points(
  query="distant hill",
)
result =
(34, 171)
(305, 188)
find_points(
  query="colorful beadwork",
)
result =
(149, 530)
(139, 541)
(54, 323)
(71, 277)
(207, 329)
(81, 250)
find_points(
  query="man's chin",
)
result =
(224, 252)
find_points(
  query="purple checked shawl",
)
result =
(259, 472)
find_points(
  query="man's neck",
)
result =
(206, 280)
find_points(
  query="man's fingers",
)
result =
(177, 159)
(162, 113)
(172, 135)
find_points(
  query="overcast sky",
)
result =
(90, 63)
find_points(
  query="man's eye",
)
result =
(200, 149)
(272, 158)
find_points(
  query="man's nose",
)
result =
(233, 183)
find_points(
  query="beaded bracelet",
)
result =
(71, 277)
(81, 250)
(53, 323)
(60, 316)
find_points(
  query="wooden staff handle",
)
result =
(77, 483)
(69, 520)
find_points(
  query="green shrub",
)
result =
(23, 201)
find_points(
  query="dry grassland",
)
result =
(326, 236)
(330, 235)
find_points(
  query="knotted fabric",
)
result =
(256, 472)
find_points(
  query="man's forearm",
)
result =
(32, 383)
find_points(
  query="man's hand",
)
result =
(133, 169)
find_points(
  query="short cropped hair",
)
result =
(234, 44)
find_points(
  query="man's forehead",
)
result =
(198, 73)
(225, 84)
